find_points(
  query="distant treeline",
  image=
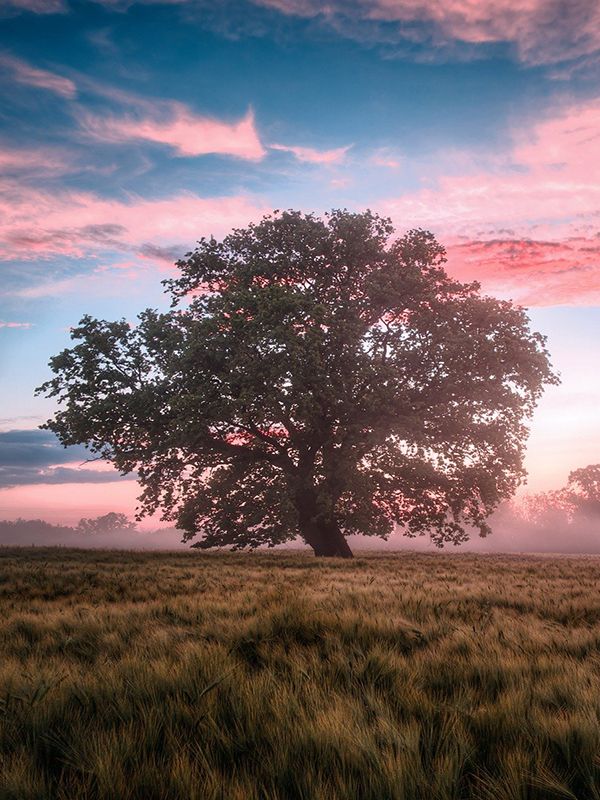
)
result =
(533, 525)
(110, 530)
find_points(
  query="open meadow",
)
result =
(277, 675)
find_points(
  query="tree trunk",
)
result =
(326, 540)
(318, 528)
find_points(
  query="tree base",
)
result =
(329, 542)
(335, 555)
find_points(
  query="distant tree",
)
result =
(313, 378)
(108, 523)
(583, 490)
(586, 481)
(566, 508)
(549, 509)
(25, 528)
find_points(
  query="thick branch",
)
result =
(229, 448)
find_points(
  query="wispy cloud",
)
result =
(547, 176)
(57, 288)
(175, 125)
(542, 31)
(35, 6)
(36, 224)
(36, 448)
(38, 162)
(529, 224)
(314, 156)
(15, 324)
(22, 72)
(386, 158)
(535, 273)
(22, 476)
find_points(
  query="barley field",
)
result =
(275, 675)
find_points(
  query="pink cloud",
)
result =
(550, 175)
(175, 125)
(383, 158)
(22, 72)
(185, 217)
(314, 156)
(530, 223)
(41, 161)
(535, 273)
(16, 324)
(543, 31)
(36, 224)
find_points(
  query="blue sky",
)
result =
(128, 130)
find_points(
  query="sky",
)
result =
(128, 130)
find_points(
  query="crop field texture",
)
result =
(276, 675)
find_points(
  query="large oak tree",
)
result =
(314, 378)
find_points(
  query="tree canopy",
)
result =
(314, 377)
(107, 523)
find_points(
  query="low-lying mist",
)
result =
(37, 532)
(514, 531)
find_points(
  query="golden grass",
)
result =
(256, 677)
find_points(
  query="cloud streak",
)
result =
(22, 476)
(313, 156)
(541, 31)
(36, 224)
(37, 162)
(30, 457)
(34, 6)
(174, 125)
(22, 72)
(36, 448)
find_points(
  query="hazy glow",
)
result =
(67, 503)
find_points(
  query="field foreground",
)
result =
(254, 677)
